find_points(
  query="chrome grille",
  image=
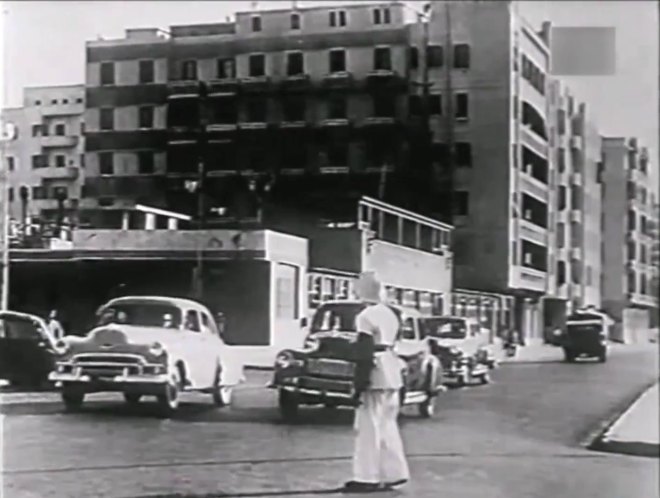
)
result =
(112, 359)
(330, 368)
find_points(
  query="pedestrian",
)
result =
(379, 461)
(54, 326)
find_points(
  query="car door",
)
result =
(195, 349)
(230, 364)
(25, 349)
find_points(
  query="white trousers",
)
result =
(378, 455)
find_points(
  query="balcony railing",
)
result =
(576, 142)
(338, 80)
(296, 82)
(66, 173)
(222, 88)
(256, 84)
(59, 141)
(576, 178)
(62, 110)
(372, 121)
(576, 215)
(531, 185)
(183, 89)
(335, 123)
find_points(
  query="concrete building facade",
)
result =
(45, 163)
(630, 238)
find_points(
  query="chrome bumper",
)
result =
(79, 377)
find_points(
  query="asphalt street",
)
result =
(521, 437)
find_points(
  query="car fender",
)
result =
(231, 370)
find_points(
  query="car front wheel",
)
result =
(168, 399)
(222, 395)
(132, 398)
(73, 399)
(569, 356)
(602, 357)
(288, 403)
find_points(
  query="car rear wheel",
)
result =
(288, 403)
(485, 378)
(168, 399)
(132, 398)
(73, 399)
(427, 407)
(602, 357)
(222, 395)
(569, 356)
(464, 378)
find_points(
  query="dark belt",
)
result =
(379, 348)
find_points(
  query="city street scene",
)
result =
(301, 248)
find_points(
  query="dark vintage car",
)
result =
(322, 372)
(585, 335)
(462, 347)
(27, 349)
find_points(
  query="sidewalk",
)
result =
(534, 352)
(636, 432)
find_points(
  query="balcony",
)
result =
(58, 141)
(62, 110)
(576, 178)
(576, 253)
(222, 88)
(66, 173)
(533, 232)
(253, 125)
(181, 135)
(533, 141)
(338, 81)
(528, 279)
(534, 187)
(576, 142)
(294, 124)
(221, 127)
(256, 84)
(183, 89)
(576, 216)
(638, 299)
(384, 78)
(379, 121)
(335, 123)
(296, 83)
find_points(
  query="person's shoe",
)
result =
(395, 484)
(361, 487)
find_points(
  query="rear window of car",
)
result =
(336, 317)
(19, 328)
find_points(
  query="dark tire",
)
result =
(602, 357)
(484, 378)
(426, 409)
(288, 403)
(73, 399)
(222, 396)
(569, 356)
(168, 399)
(402, 397)
(132, 398)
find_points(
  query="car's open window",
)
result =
(192, 321)
(208, 326)
(475, 329)
(408, 329)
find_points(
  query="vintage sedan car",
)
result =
(322, 372)
(27, 349)
(585, 335)
(462, 347)
(145, 345)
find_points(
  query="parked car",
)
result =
(322, 372)
(585, 335)
(462, 346)
(27, 349)
(145, 345)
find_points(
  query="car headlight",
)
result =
(455, 351)
(284, 360)
(61, 347)
(557, 332)
(311, 343)
(156, 349)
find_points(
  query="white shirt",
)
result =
(382, 324)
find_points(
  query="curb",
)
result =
(595, 439)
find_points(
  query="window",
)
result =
(337, 154)
(65, 101)
(337, 18)
(189, 70)
(37, 130)
(295, 63)
(643, 257)
(337, 61)
(226, 69)
(387, 18)
(145, 162)
(435, 105)
(60, 130)
(37, 102)
(561, 235)
(414, 105)
(60, 161)
(146, 117)
(294, 109)
(257, 65)
(376, 16)
(256, 24)
(286, 291)
(295, 21)
(413, 57)
(106, 201)
(11, 194)
(256, 110)
(382, 58)
(82, 128)
(632, 281)
(461, 206)
(79, 100)
(107, 119)
(146, 71)
(54, 101)
(337, 108)
(106, 163)
(632, 220)
(10, 163)
(39, 161)
(464, 153)
(462, 106)
(82, 160)
(384, 107)
(462, 56)
(38, 193)
(434, 56)
(60, 193)
(561, 200)
(107, 73)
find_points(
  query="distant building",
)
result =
(630, 238)
(46, 161)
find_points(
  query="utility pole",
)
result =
(449, 122)
(8, 135)
(427, 134)
(202, 141)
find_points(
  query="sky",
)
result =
(44, 44)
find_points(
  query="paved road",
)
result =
(519, 437)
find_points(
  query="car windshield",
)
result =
(443, 327)
(340, 317)
(14, 327)
(142, 314)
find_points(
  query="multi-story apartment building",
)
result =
(45, 162)
(630, 221)
(576, 146)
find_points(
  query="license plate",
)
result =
(334, 368)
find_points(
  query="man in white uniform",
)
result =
(378, 460)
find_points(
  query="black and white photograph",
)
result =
(289, 248)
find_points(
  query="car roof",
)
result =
(26, 316)
(403, 309)
(179, 302)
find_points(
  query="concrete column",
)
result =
(150, 221)
(125, 218)
(172, 223)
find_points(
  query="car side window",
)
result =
(192, 321)
(208, 326)
(408, 329)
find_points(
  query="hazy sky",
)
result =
(45, 45)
